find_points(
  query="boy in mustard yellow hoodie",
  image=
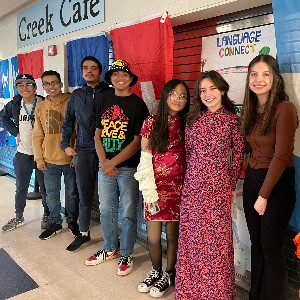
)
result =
(51, 159)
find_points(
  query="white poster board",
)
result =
(231, 52)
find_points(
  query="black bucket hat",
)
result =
(120, 65)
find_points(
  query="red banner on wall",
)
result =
(32, 63)
(148, 48)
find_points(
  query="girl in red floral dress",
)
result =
(214, 152)
(160, 175)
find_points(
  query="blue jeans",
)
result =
(122, 188)
(24, 164)
(52, 177)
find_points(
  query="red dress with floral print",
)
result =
(205, 266)
(169, 169)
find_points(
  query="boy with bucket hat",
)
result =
(18, 117)
(118, 143)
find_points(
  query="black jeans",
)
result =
(267, 233)
(86, 169)
(24, 164)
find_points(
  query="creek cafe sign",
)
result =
(51, 18)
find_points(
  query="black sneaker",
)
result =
(51, 231)
(74, 228)
(148, 282)
(78, 242)
(161, 286)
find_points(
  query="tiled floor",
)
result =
(59, 274)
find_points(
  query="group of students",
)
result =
(187, 169)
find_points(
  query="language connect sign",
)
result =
(48, 19)
(231, 52)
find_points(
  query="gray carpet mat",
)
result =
(13, 279)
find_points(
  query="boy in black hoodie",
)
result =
(82, 110)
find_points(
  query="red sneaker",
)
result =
(100, 257)
(125, 265)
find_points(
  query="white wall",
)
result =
(119, 12)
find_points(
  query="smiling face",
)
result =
(177, 99)
(121, 81)
(260, 81)
(210, 95)
(52, 85)
(91, 73)
(26, 90)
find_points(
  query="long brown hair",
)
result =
(221, 84)
(277, 94)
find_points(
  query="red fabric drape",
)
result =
(148, 48)
(31, 63)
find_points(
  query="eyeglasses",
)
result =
(174, 96)
(52, 83)
(22, 85)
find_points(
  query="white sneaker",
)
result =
(100, 257)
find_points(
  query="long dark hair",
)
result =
(221, 84)
(159, 137)
(277, 94)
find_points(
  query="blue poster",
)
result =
(76, 50)
(14, 73)
(1, 84)
(5, 78)
(287, 28)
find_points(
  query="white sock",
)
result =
(84, 233)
